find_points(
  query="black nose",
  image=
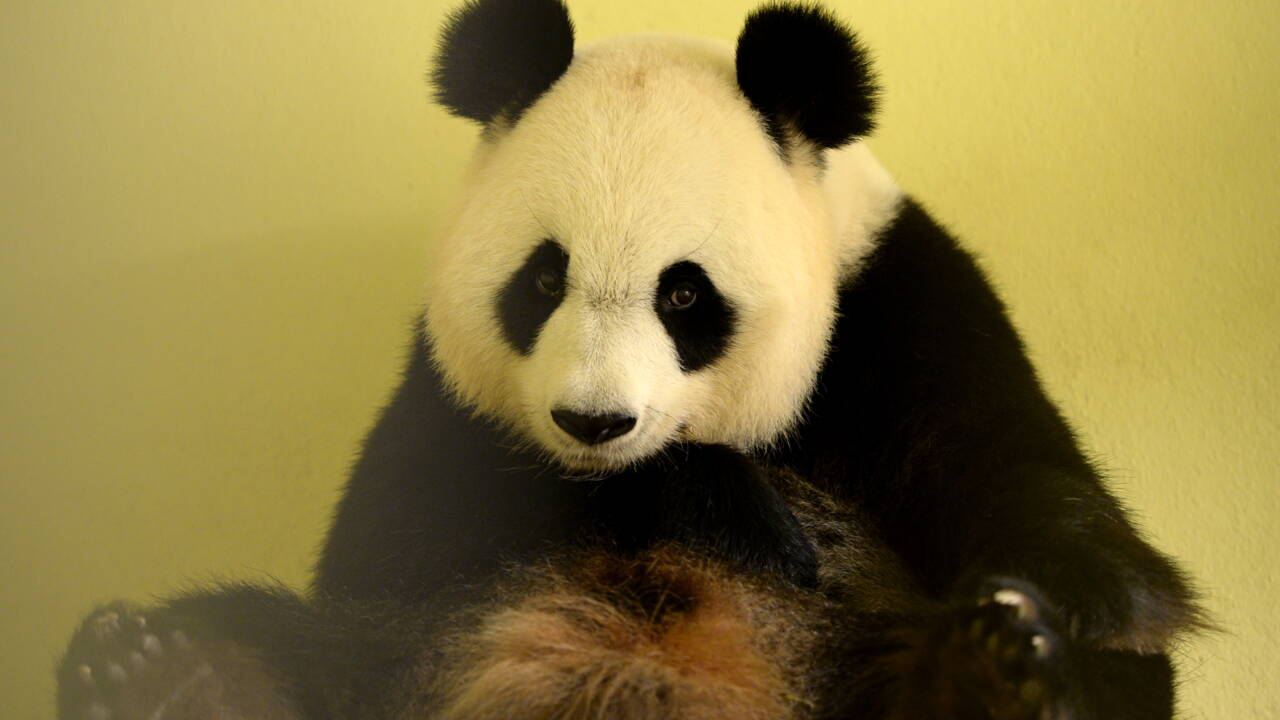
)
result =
(593, 429)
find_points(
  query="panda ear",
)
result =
(806, 73)
(496, 57)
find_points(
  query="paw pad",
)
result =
(119, 662)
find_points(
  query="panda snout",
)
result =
(593, 429)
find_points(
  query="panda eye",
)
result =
(682, 296)
(549, 282)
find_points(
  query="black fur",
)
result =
(710, 498)
(804, 71)
(701, 331)
(957, 452)
(523, 306)
(496, 57)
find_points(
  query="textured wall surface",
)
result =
(214, 216)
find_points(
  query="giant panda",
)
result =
(704, 418)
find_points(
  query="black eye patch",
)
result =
(700, 327)
(532, 294)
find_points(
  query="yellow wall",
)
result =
(212, 216)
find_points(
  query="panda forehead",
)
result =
(640, 130)
(632, 258)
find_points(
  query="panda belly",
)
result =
(669, 634)
(660, 635)
(665, 633)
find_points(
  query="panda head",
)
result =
(643, 252)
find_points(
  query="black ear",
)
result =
(805, 72)
(496, 57)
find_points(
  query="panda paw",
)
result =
(1014, 648)
(124, 664)
(998, 659)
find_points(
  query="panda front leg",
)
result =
(1003, 657)
(240, 651)
(1008, 657)
(711, 498)
(1062, 532)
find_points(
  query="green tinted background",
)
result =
(213, 217)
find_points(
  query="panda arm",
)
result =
(929, 413)
(711, 498)
(982, 662)
(1054, 528)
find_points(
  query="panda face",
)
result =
(633, 263)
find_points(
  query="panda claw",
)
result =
(151, 644)
(1041, 645)
(98, 711)
(117, 673)
(85, 673)
(1026, 607)
(106, 624)
(136, 661)
(180, 640)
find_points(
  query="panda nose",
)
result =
(593, 429)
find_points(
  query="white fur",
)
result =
(862, 197)
(644, 154)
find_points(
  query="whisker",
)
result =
(534, 215)
(660, 412)
(710, 234)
